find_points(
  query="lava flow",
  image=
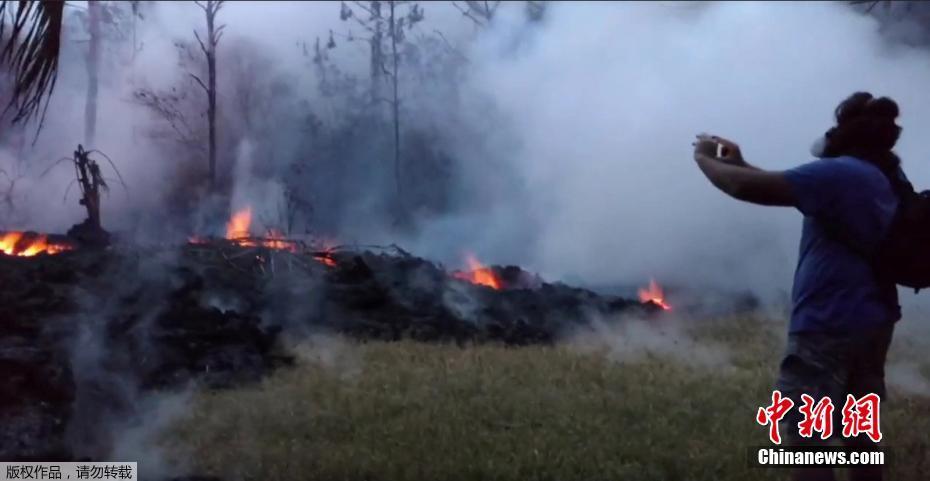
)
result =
(25, 245)
(654, 295)
(478, 274)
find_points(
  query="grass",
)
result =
(579, 411)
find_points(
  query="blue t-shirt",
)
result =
(835, 288)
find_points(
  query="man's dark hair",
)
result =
(866, 128)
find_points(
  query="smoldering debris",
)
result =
(85, 334)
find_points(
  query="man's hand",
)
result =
(707, 145)
(731, 173)
(704, 147)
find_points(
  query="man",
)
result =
(843, 314)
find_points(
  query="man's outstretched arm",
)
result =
(738, 179)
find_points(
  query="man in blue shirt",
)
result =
(843, 315)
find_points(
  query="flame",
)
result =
(238, 225)
(328, 247)
(276, 240)
(654, 295)
(478, 274)
(238, 230)
(18, 244)
(326, 259)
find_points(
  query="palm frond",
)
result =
(30, 42)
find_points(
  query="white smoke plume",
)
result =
(572, 134)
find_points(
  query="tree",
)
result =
(214, 33)
(93, 67)
(480, 12)
(30, 48)
(376, 24)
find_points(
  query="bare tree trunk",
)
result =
(211, 91)
(377, 55)
(396, 108)
(210, 8)
(93, 65)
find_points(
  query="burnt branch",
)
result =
(113, 166)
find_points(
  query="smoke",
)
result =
(567, 140)
(906, 376)
(634, 340)
(605, 99)
(113, 417)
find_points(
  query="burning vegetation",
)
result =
(478, 274)
(28, 244)
(654, 295)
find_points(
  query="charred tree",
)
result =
(91, 181)
(93, 68)
(214, 33)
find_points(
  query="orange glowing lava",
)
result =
(478, 274)
(22, 245)
(654, 295)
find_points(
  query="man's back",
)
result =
(835, 288)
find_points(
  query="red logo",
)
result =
(860, 416)
(817, 418)
(772, 414)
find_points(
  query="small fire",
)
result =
(239, 232)
(276, 240)
(478, 274)
(326, 258)
(20, 244)
(238, 225)
(654, 295)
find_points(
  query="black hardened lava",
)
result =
(84, 332)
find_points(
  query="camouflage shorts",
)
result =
(834, 365)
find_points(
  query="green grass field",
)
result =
(644, 404)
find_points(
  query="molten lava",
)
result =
(478, 274)
(654, 295)
(24, 245)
